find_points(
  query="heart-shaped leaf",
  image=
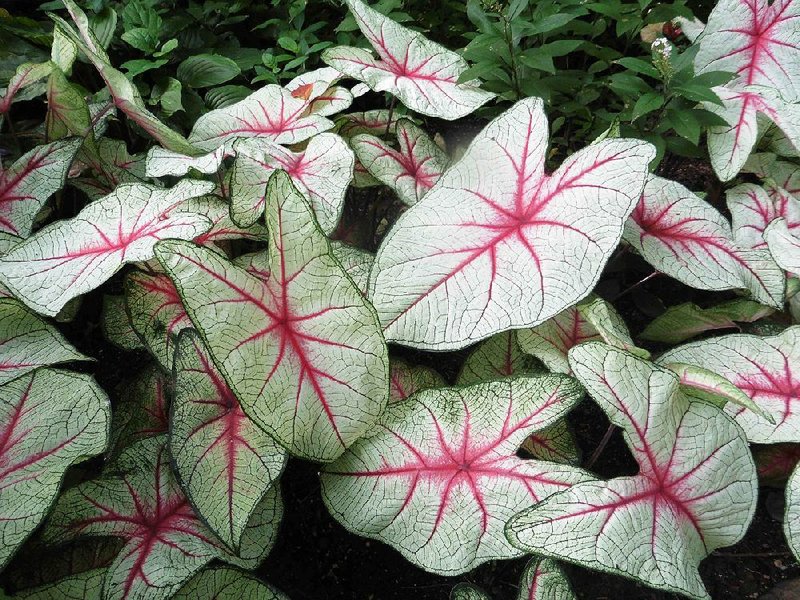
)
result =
(525, 245)
(165, 542)
(422, 74)
(406, 380)
(688, 239)
(271, 113)
(224, 462)
(443, 469)
(71, 257)
(302, 348)
(27, 342)
(753, 208)
(49, 419)
(27, 184)
(321, 172)
(411, 169)
(543, 579)
(765, 368)
(695, 491)
(225, 583)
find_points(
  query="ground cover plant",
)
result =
(342, 300)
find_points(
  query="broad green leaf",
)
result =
(679, 323)
(406, 380)
(543, 579)
(27, 184)
(688, 239)
(224, 462)
(421, 73)
(67, 110)
(74, 256)
(206, 70)
(764, 368)
(139, 501)
(695, 491)
(302, 349)
(646, 104)
(791, 519)
(497, 244)
(225, 583)
(411, 169)
(49, 419)
(438, 477)
(321, 173)
(83, 586)
(27, 342)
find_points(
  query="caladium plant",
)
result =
(695, 490)
(791, 520)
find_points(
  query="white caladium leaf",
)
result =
(543, 579)
(318, 90)
(28, 342)
(224, 462)
(690, 27)
(49, 419)
(223, 226)
(379, 121)
(525, 245)
(752, 209)
(71, 257)
(271, 113)
(791, 518)
(321, 172)
(27, 184)
(26, 75)
(161, 162)
(784, 245)
(142, 410)
(695, 491)
(140, 502)
(406, 380)
(111, 166)
(468, 591)
(684, 321)
(411, 169)
(225, 583)
(421, 73)
(758, 40)
(356, 262)
(116, 324)
(302, 349)
(442, 468)
(82, 586)
(688, 239)
(499, 356)
(762, 367)
(594, 319)
(157, 313)
(729, 146)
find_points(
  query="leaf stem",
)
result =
(601, 446)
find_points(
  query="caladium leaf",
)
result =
(684, 321)
(140, 502)
(488, 226)
(695, 490)
(356, 262)
(111, 165)
(468, 591)
(225, 583)
(271, 113)
(223, 227)
(791, 519)
(83, 586)
(67, 110)
(321, 172)
(161, 162)
(421, 73)
(594, 319)
(730, 145)
(26, 75)
(71, 257)
(307, 361)
(688, 239)
(775, 462)
(762, 367)
(318, 90)
(499, 356)
(373, 122)
(142, 410)
(784, 245)
(49, 419)
(116, 324)
(442, 467)
(224, 462)
(30, 181)
(758, 40)
(411, 169)
(543, 579)
(157, 313)
(406, 380)
(28, 342)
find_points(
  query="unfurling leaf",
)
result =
(695, 490)
(442, 467)
(300, 346)
(525, 245)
